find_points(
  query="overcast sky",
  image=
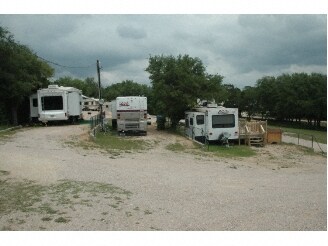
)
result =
(242, 48)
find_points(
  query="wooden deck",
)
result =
(252, 132)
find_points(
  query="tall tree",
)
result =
(249, 101)
(232, 96)
(267, 96)
(177, 84)
(21, 73)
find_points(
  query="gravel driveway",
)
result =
(75, 188)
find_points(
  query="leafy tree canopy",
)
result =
(21, 73)
(177, 84)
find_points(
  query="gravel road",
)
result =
(74, 188)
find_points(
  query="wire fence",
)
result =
(305, 140)
(94, 121)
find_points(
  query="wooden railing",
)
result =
(249, 129)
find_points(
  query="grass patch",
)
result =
(6, 134)
(320, 136)
(112, 141)
(232, 151)
(62, 220)
(27, 196)
(176, 147)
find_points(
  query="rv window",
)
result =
(200, 119)
(191, 121)
(35, 102)
(223, 121)
(52, 103)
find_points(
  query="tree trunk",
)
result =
(14, 118)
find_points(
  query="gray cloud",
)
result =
(242, 48)
(126, 31)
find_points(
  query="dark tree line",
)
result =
(288, 97)
(21, 74)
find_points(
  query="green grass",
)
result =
(3, 127)
(109, 141)
(320, 136)
(27, 196)
(176, 147)
(232, 151)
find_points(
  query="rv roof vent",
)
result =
(212, 105)
(53, 86)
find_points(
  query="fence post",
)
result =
(298, 139)
(312, 141)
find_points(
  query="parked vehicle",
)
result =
(212, 123)
(34, 113)
(57, 104)
(129, 114)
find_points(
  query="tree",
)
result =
(21, 73)
(126, 88)
(89, 86)
(267, 96)
(129, 88)
(232, 96)
(248, 101)
(177, 84)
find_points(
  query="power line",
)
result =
(64, 66)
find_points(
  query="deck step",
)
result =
(256, 141)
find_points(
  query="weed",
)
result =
(147, 212)
(62, 220)
(46, 219)
(4, 173)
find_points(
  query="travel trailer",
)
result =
(34, 113)
(211, 122)
(56, 103)
(129, 114)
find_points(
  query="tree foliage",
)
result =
(178, 82)
(126, 88)
(288, 97)
(89, 86)
(21, 74)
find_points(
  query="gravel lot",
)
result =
(281, 188)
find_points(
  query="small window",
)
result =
(35, 102)
(191, 121)
(200, 119)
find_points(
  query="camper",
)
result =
(58, 103)
(34, 114)
(211, 122)
(129, 114)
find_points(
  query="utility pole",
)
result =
(100, 100)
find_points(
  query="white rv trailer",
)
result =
(130, 114)
(212, 123)
(59, 104)
(34, 113)
(113, 110)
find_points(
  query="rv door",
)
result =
(199, 127)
